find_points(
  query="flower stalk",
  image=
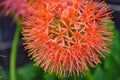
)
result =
(14, 52)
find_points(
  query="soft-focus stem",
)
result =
(74, 77)
(89, 76)
(14, 52)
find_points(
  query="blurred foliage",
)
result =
(108, 70)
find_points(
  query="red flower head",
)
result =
(63, 36)
(14, 6)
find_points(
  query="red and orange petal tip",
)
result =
(14, 6)
(64, 36)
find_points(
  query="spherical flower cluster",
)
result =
(14, 6)
(64, 36)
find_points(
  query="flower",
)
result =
(14, 6)
(63, 36)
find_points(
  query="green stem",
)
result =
(14, 52)
(89, 76)
(74, 77)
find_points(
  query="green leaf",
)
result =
(29, 72)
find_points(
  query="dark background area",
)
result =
(113, 1)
